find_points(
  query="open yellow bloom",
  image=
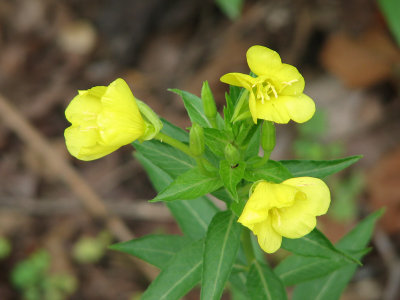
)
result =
(277, 93)
(103, 119)
(287, 209)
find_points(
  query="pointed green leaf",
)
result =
(263, 284)
(192, 216)
(220, 250)
(318, 168)
(331, 286)
(189, 185)
(272, 171)
(181, 274)
(194, 107)
(231, 176)
(175, 131)
(315, 244)
(154, 249)
(169, 159)
(296, 269)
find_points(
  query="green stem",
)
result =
(163, 138)
(262, 161)
(201, 161)
(247, 246)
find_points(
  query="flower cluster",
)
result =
(104, 118)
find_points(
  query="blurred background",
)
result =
(58, 214)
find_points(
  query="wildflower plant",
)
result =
(268, 204)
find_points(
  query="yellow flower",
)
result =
(277, 93)
(287, 209)
(103, 119)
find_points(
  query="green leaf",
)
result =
(314, 244)
(272, 171)
(231, 8)
(189, 185)
(194, 107)
(172, 130)
(181, 274)
(296, 269)
(154, 249)
(216, 140)
(169, 159)
(318, 168)
(331, 286)
(238, 286)
(263, 284)
(192, 216)
(391, 9)
(231, 176)
(220, 251)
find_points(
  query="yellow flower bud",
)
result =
(287, 209)
(277, 93)
(103, 119)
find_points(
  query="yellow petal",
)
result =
(268, 239)
(262, 60)
(253, 107)
(299, 108)
(120, 121)
(288, 80)
(250, 217)
(272, 110)
(238, 79)
(294, 221)
(269, 195)
(84, 106)
(316, 191)
(83, 143)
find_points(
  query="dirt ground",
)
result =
(49, 49)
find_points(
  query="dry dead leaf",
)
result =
(362, 61)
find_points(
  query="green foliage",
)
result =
(32, 277)
(5, 247)
(318, 169)
(231, 176)
(231, 8)
(391, 9)
(91, 249)
(154, 249)
(331, 286)
(181, 274)
(220, 250)
(211, 251)
(314, 244)
(189, 185)
(263, 284)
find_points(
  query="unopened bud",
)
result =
(210, 109)
(232, 154)
(268, 136)
(196, 140)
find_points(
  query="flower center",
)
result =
(264, 89)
